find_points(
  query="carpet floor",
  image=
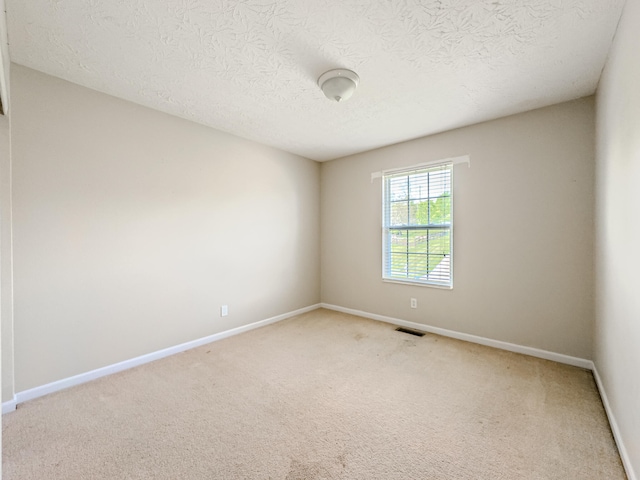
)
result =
(323, 395)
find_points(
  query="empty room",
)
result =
(301, 240)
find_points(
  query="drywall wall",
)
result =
(523, 231)
(6, 338)
(4, 287)
(617, 333)
(133, 227)
(6, 290)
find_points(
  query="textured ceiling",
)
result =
(250, 67)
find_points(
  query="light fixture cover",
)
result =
(338, 84)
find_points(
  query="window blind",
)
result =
(417, 225)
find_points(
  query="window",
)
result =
(417, 226)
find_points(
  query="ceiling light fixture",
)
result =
(338, 84)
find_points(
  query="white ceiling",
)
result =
(250, 67)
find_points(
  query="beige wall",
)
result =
(132, 227)
(523, 240)
(6, 293)
(5, 337)
(617, 335)
(5, 222)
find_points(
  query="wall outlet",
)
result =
(414, 303)
(224, 310)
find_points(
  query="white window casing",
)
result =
(417, 223)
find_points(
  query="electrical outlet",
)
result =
(224, 310)
(414, 303)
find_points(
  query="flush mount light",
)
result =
(338, 84)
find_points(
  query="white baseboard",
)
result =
(624, 455)
(141, 360)
(9, 406)
(511, 347)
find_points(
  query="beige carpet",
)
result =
(321, 396)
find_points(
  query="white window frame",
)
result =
(386, 248)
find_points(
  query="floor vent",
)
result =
(410, 332)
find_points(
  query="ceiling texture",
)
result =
(250, 67)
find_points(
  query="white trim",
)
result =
(419, 284)
(9, 406)
(624, 455)
(432, 163)
(511, 347)
(386, 228)
(141, 360)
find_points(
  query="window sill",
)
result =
(418, 284)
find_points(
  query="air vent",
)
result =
(410, 332)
